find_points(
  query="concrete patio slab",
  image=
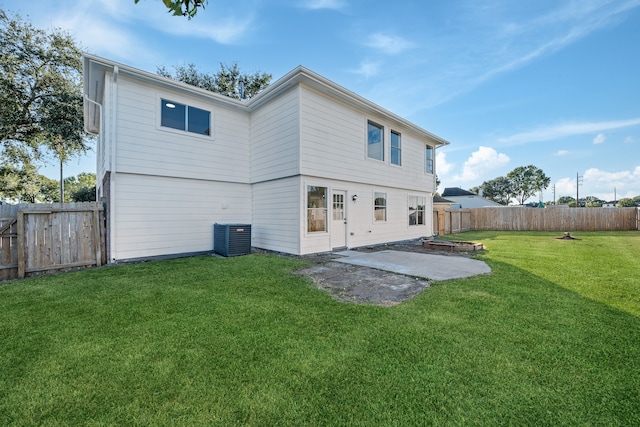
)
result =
(433, 267)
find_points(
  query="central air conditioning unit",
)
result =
(232, 239)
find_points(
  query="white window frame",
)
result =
(382, 132)
(397, 148)
(429, 165)
(315, 211)
(417, 211)
(377, 207)
(187, 103)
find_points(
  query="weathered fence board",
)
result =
(36, 238)
(8, 242)
(554, 219)
(451, 221)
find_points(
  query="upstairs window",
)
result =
(185, 117)
(428, 154)
(375, 141)
(396, 148)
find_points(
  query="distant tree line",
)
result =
(26, 185)
(594, 202)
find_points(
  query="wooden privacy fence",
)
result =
(554, 219)
(514, 218)
(451, 221)
(40, 238)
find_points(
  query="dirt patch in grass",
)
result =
(364, 285)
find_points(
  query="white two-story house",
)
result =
(310, 165)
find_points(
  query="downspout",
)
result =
(113, 102)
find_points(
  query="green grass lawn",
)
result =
(552, 337)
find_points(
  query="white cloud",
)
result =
(567, 129)
(388, 43)
(602, 184)
(225, 31)
(562, 153)
(367, 69)
(324, 4)
(629, 140)
(478, 167)
(625, 182)
(599, 139)
(442, 166)
(564, 187)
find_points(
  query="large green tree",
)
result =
(187, 8)
(40, 95)
(527, 181)
(499, 190)
(26, 185)
(226, 81)
(81, 188)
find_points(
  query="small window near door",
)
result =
(316, 209)
(380, 207)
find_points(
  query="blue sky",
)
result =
(509, 83)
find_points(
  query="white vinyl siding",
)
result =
(276, 216)
(144, 147)
(275, 139)
(333, 145)
(159, 216)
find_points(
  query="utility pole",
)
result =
(554, 194)
(578, 182)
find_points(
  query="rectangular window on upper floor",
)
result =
(428, 158)
(185, 117)
(375, 141)
(396, 148)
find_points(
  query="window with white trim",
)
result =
(185, 117)
(396, 148)
(428, 157)
(316, 209)
(417, 210)
(375, 141)
(380, 207)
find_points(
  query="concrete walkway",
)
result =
(433, 267)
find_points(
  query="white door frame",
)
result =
(338, 219)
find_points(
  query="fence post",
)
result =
(21, 246)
